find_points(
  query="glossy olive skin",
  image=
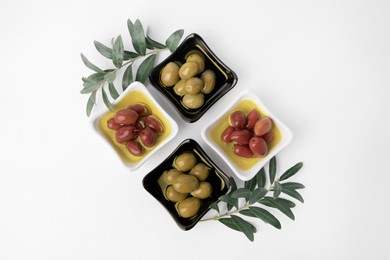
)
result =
(208, 78)
(148, 137)
(242, 151)
(198, 58)
(268, 137)
(180, 87)
(227, 134)
(237, 119)
(126, 133)
(252, 118)
(174, 196)
(135, 148)
(188, 207)
(185, 161)
(263, 126)
(258, 146)
(170, 74)
(200, 171)
(112, 124)
(193, 85)
(188, 70)
(241, 136)
(193, 101)
(126, 117)
(141, 109)
(171, 175)
(185, 183)
(154, 123)
(203, 191)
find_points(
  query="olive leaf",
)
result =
(272, 169)
(127, 77)
(292, 171)
(145, 68)
(110, 76)
(261, 178)
(173, 41)
(293, 193)
(247, 228)
(257, 194)
(91, 102)
(92, 83)
(152, 44)
(262, 214)
(292, 185)
(137, 34)
(251, 184)
(118, 52)
(89, 64)
(280, 205)
(231, 202)
(130, 55)
(113, 92)
(267, 201)
(214, 206)
(103, 49)
(241, 193)
(107, 101)
(229, 223)
(277, 189)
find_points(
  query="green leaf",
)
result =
(173, 41)
(111, 87)
(231, 202)
(292, 171)
(272, 169)
(257, 194)
(241, 193)
(89, 64)
(251, 184)
(229, 223)
(107, 101)
(127, 77)
(262, 214)
(260, 177)
(96, 77)
(92, 83)
(118, 52)
(293, 193)
(247, 228)
(110, 76)
(145, 68)
(267, 201)
(137, 36)
(103, 49)
(292, 185)
(214, 206)
(152, 44)
(277, 189)
(130, 55)
(91, 102)
(280, 205)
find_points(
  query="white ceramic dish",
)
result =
(246, 174)
(134, 91)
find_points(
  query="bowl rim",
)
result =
(136, 85)
(246, 175)
(232, 76)
(229, 182)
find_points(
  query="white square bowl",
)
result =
(244, 168)
(135, 93)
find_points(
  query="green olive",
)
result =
(193, 101)
(203, 191)
(185, 183)
(188, 207)
(180, 87)
(200, 171)
(185, 161)
(194, 85)
(188, 70)
(196, 56)
(170, 74)
(174, 196)
(171, 175)
(208, 78)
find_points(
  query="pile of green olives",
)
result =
(186, 184)
(189, 80)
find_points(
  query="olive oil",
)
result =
(131, 98)
(216, 132)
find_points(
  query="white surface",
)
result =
(285, 132)
(321, 66)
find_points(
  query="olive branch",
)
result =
(254, 194)
(122, 59)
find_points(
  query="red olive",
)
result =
(258, 146)
(263, 126)
(134, 148)
(251, 119)
(268, 137)
(241, 136)
(140, 125)
(242, 151)
(148, 137)
(126, 133)
(237, 119)
(141, 109)
(154, 123)
(226, 135)
(112, 124)
(126, 117)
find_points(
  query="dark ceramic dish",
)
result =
(220, 182)
(226, 79)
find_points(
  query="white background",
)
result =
(321, 66)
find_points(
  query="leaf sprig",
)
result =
(122, 59)
(255, 197)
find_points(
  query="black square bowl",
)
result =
(226, 79)
(220, 182)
